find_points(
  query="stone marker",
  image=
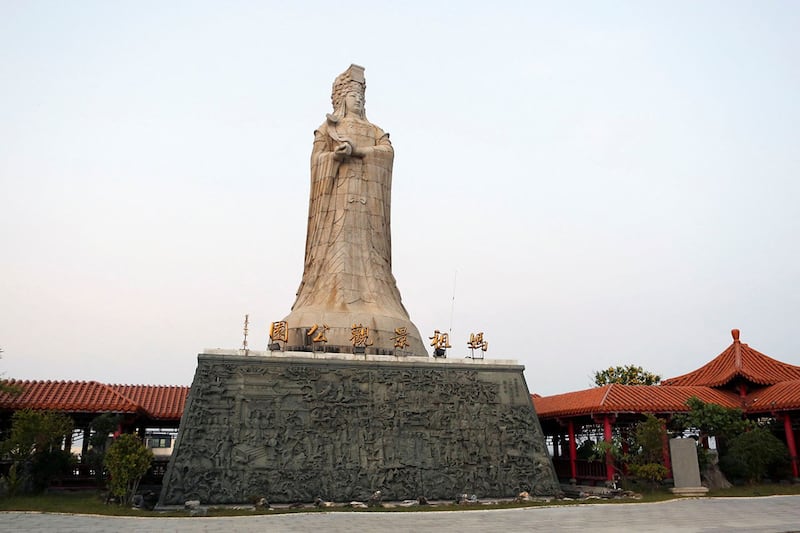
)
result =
(685, 468)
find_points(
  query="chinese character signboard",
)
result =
(440, 342)
(400, 338)
(359, 336)
(278, 332)
(475, 342)
(317, 334)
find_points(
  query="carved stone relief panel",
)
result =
(296, 430)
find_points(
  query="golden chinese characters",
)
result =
(278, 331)
(476, 341)
(400, 338)
(439, 340)
(359, 335)
(320, 333)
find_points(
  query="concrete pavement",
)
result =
(767, 514)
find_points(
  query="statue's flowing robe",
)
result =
(348, 257)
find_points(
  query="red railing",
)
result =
(82, 476)
(585, 470)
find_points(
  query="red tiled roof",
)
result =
(156, 401)
(76, 396)
(617, 398)
(160, 402)
(738, 360)
(782, 396)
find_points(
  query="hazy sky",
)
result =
(597, 183)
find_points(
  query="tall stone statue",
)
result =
(348, 289)
(341, 427)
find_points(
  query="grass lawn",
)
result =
(91, 502)
(80, 502)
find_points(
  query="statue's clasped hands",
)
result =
(344, 149)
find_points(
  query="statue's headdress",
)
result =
(348, 81)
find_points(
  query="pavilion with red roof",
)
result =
(140, 406)
(740, 377)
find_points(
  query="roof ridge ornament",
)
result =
(737, 351)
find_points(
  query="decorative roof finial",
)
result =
(735, 334)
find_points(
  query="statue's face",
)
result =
(354, 102)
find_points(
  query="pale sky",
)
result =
(597, 183)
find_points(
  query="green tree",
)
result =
(127, 460)
(712, 420)
(648, 440)
(625, 375)
(646, 456)
(35, 448)
(101, 427)
(641, 452)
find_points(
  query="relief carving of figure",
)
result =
(347, 275)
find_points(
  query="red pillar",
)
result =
(573, 452)
(665, 449)
(787, 427)
(609, 457)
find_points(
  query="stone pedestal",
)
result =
(293, 426)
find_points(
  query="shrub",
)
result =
(585, 451)
(127, 460)
(648, 441)
(50, 466)
(652, 472)
(647, 451)
(753, 455)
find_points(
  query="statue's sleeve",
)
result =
(323, 175)
(383, 154)
(380, 162)
(383, 147)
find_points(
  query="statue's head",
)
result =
(348, 92)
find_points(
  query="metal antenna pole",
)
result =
(244, 342)
(453, 302)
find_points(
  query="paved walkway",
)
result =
(773, 514)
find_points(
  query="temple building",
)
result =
(740, 377)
